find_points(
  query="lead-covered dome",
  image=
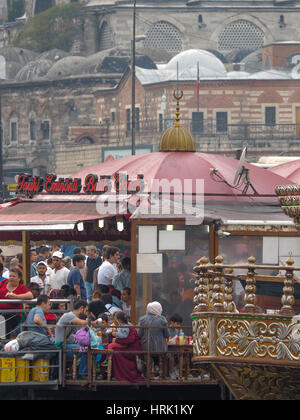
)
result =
(190, 58)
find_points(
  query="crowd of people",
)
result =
(100, 285)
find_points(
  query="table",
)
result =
(185, 351)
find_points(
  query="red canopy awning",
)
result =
(29, 215)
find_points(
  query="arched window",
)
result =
(164, 35)
(105, 38)
(241, 34)
(85, 141)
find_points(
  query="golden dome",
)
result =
(177, 138)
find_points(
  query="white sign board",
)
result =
(147, 240)
(173, 240)
(149, 263)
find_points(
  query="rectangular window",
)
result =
(137, 119)
(45, 129)
(270, 115)
(128, 124)
(32, 129)
(197, 122)
(221, 121)
(113, 117)
(160, 122)
(13, 131)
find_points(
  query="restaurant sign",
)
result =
(93, 184)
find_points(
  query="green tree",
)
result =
(57, 27)
(16, 10)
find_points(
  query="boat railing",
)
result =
(214, 283)
(253, 344)
(154, 366)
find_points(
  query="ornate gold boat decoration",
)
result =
(255, 354)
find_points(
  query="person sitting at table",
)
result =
(158, 336)
(126, 339)
(175, 324)
(13, 289)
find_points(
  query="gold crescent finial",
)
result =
(177, 95)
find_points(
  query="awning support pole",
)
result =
(26, 256)
(133, 271)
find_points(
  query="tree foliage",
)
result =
(57, 27)
(16, 10)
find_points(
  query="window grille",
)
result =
(241, 34)
(197, 122)
(270, 115)
(164, 35)
(221, 121)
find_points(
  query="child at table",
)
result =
(174, 329)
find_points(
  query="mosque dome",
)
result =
(190, 58)
(238, 75)
(17, 55)
(54, 55)
(67, 66)
(34, 70)
(270, 74)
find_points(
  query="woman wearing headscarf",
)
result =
(124, 366)
(157, 336)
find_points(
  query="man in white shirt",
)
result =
(59, 275)
(107, 271)
(42, 279)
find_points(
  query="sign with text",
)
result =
(93, 184)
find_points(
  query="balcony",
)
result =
(254, 350)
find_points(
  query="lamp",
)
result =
(80, 227)
(101, 223)
(170, 228)
(120, 225)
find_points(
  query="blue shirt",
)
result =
(30, 321)
(75, 277)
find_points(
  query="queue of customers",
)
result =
(101, 287)
(102, 281)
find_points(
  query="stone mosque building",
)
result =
(226, 26)
(63, 110)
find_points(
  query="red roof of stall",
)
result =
(188, 166)
(46, 210)
(289, 170)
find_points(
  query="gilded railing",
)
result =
(250, 348)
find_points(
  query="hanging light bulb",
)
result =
(120, 225)
(101, 223)
(80, 227)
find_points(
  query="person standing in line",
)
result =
(1, 273)
(107, 271)
(92, 263)
(59, 275)
(41, 278)
(75, 280)
(13, 289)
(44, 253)
(123, 279)
(33, 267)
